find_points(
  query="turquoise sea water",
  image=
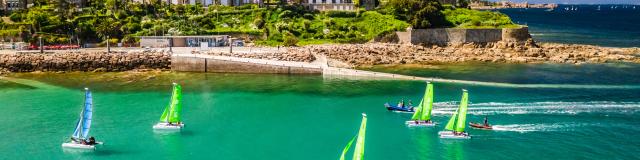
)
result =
(611, 25)
(245, 116)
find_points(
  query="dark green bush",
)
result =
(340, 14)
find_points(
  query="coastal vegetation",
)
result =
(119, 21)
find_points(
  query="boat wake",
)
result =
(522, 128)
(494, 108)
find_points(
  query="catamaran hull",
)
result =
(450, 135)
(420, 124)
(166, 126)
(79, 146)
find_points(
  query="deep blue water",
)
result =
(611, 27)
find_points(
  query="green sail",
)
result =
(358, 153)
(452, 122)
(346, 148)
(176, 105)
(428, 103)
(462, 113)
(416, 115)
(165, 115)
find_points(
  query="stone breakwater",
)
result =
(359, 55)
(84, 61)
(291, 54)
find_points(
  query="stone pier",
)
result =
(223, 64)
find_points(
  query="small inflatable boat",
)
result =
(480, 126)
(408, 109)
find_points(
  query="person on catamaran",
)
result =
(410, 104)
(92, 141)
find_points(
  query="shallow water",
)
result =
(546, 73)
(246, 116)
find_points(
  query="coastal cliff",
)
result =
(84, 61)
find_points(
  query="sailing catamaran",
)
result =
(79, 138)
(170, 119)
(422, 116)
(455, 126)
(358, 153)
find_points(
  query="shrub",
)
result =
(308, 16)
(289, 39)
(259, 23)
(340, 14)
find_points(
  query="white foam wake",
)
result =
(492, 108)
(522, 128)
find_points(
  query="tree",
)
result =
(107, 27)
(419, 13)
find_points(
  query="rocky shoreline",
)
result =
(337, 55)
(84, 61)
(369, 54)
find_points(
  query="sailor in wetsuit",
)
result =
(92, 141)
(486, 122)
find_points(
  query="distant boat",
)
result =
(455, 126)
(80, 134)
(358, 152)
(170, 119)
(422, 116)
(598, 8)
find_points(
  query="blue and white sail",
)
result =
(84, 123)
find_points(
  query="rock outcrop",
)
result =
(505, 52)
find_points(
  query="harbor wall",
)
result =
(444, 36)
(84, 61)
(199, 64)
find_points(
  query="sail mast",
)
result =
(176, 104)
(462, 114)
(166, 114)
(88, 114)
(358, 153)
(427, 106)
